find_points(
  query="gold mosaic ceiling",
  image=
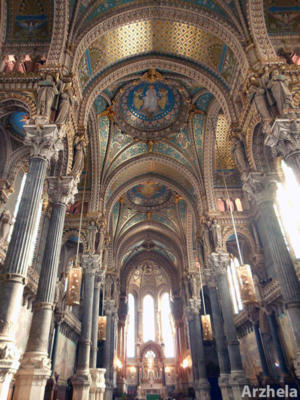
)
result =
(156, 35)
(223, 145)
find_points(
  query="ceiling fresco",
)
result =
(282, 17)
(160, 37)
(149, 194)
(29, 20)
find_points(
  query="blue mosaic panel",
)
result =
(198, 122)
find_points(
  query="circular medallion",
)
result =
(150, 109)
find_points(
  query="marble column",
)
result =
(122, 314)
(218, 264)
(109, 347)
(99, 278)
(284, 140)
(261, 189)
(82, 379)
(44, 143)
(219, 335)
(261, 351)
(201, 384)
(36, 366)
(275, 337)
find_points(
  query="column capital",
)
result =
(110, 307)
(44, 141)
(260, 187)
(99, 278)
(90, 263)
(193, 306)
(284, 137)
(62, 189)
(210, 277)
(218, 263)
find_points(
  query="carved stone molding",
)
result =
(218, 263)
(90, 263)
(260, 187)
(284, 137)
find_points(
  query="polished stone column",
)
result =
(261, 190)
(261, 351)
(122, 314)
(99, 278)
(275, 337)
(82, 379)
(219, 335)
(202, 387)
(218, 264)
(36, 365)
(111, 313)
(44, 143)
(284, 140)
(97, 374)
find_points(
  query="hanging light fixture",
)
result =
(75, 273)
(205, 318)
(101, 328)
(244, 273)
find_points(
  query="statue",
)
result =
(217, 235)
(239, 155)
(278, 84)
(65, 104)
(45, 96)
(78, 165)
(5, 224)
(258, 96)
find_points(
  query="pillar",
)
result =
(275, 337)
(261, 351)
(44, 143)
(261, 189)
(82, 379)
(110, 312)
(219, 263)
(219, 335)
(97, 374)
(36, 366)
(201, 385)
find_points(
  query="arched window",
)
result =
(287, 209)
(238, 205)
(131, 327)
(166, 324)
(148, 318)
(221, 205)
(234, 285)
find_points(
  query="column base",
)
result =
(9, 364)
(224, 383)
(97, 388)
(202, 390)
(32, 376)
(238, 381)
(81, 385)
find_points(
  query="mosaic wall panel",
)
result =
(282, 17)
(158, 36)
(29, 20)
(198, 123)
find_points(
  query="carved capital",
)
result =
(210, 278)
(218, 263)
(260, 187)
(284, 137)
(90, 263)
(99, 278)
(8, 351)
(110, 307)
(44, 141)
(61, 190)
(193, 306)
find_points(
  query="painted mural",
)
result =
(149, 194)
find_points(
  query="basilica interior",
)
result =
(149, 189)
